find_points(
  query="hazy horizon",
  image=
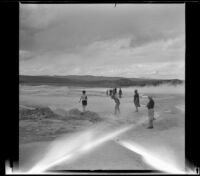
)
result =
(107, 76)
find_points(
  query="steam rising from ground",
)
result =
(63, 90)
(161, 89)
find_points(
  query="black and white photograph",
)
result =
(102, 88)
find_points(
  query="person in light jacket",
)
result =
(150, 106)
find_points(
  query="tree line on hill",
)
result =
(94, 81)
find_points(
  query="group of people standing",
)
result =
(150, 107)
(136, 99)
(113, 91)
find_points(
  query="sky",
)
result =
(129, 40)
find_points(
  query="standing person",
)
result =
(150, 107)
(84, 100)
(111, 92)
(120, 93)
(117, 103)
(136, 100)
(114, 91)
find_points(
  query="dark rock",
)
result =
(78, 115)
(45, 112)
(60, 112)
(74, 112)
(38, 113)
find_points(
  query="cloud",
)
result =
(26, 55)
(34, 19)
(69, 26)
(118, 51)
(37, 16)
(130, 40)
(114, 58)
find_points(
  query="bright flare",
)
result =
(163, 163)
(66, 149)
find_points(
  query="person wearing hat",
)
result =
(150, 107)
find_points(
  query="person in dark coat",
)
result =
(114, 91)
(150, 107)
(111, 92)
(136, 100)
(120, 93)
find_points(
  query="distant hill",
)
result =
(93, 81)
